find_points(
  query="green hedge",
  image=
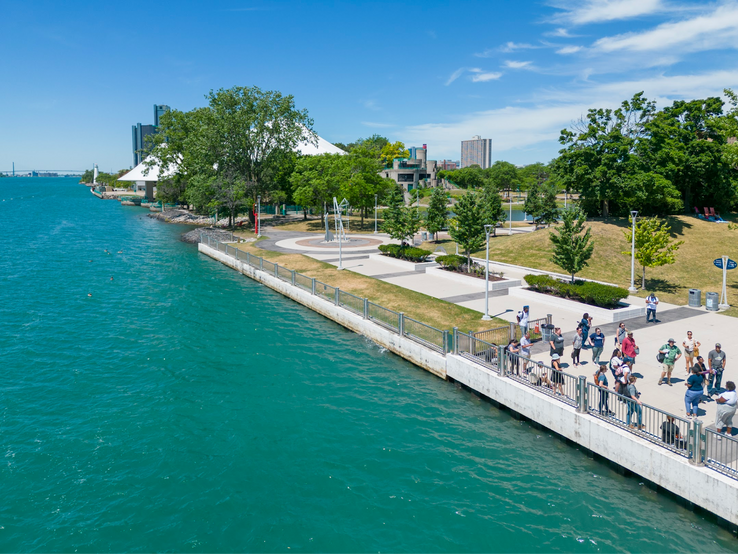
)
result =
(597, 294)
(409, 253)
(451, 261)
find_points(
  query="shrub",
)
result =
(597, 294)
(451, 261)
(410, 253)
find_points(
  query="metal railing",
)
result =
(534, 328)
(425, 334)
(721, 453)
(681, 436)
(351, 303)
(383, 316)
(496, 335)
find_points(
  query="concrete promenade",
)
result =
(674, 321)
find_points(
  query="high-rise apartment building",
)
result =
(476, 151)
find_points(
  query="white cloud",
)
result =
(715, 30)
(560, 32)
(569, 50)
(515, 46)
(455, 75)
(488, 53)
(481, 77)
(517, 65)
(597, 11)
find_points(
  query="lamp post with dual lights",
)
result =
(485, 317)
(634, 214)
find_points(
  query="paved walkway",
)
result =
(673, 321)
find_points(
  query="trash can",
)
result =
(711, 301)
(547, 330)
(695, 298)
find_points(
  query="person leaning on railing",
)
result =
(635, 406)
(726, 409)
(601, 379)
(670, 433)
(557, 376)
(513, 353)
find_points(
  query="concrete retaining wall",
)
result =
(701, 486)
(473, 281)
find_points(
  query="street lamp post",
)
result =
(634, 214)
(510, 232)
(485, 317)
(375, 214)
(258, 216)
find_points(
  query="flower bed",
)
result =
(408, 253)
(457, 264)
(587, 292)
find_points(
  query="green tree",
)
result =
(393, 150)
(572, 249)
(533, 173)
(467, 228)
(466, 178)
(653, 244)
(317, 179)
(540, 203)
(363, 180)
(400, 222)
(436, 217)
(503, 175)
(491, 208)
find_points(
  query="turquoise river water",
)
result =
(184, 407)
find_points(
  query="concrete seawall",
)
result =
(701, 486)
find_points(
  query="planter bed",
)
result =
(496, 283)
(408, 266)
(626, 311)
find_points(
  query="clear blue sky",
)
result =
(76, 76)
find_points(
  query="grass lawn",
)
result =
(429, 310)
(703, 242)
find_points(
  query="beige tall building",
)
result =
(476, 151)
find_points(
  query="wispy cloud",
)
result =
(569, 50)
(488, 53)
(371, 105)
(515, 46)
(377, 125)
(598, 11)
(561, 33)
(455, 75)
(517, 65)
(715, 30)
(480, 76)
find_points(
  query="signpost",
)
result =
(724, 263)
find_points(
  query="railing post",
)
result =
(276, 270)
(445, 342)
(261, 264)
(511, 333)
(582, 404)
(695, 442)
(366, 308)
(456, 341)
(502, 360)
(293, 277)
(549, 317)
(248, 258)
(313, 286)
(337, 299)
(402, 324)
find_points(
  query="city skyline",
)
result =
(517, 73)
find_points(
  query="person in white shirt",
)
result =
(690, 345)
(726, 405)
(523, 316)
(525, 344)
(651, 302)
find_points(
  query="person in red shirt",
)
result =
(630, 350)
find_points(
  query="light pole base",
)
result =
(340, 269)
(723, 306)
(485, 317)
(632, 289)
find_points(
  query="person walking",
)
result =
(651, 302)
(525, 344)
(577, 347)
(601, 379)
(620, 336)
(690, 345)
(669, 354)
(726, 409)
(635, 406)
(597, 340)
(523, 319)
(695, 388)
(557, 342)
(629, 350)
(584, 325)
(716, 360)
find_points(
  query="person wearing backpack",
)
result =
(651, 302)
(668, 355)
(635, 406)
(523, 317)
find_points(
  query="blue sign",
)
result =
(719, 263)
